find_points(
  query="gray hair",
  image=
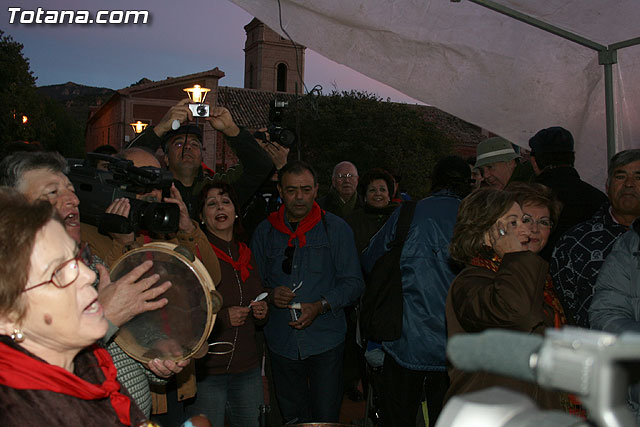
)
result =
(13, 167)
(621, 159)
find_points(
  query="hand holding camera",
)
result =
(180, 113)
(220, 119)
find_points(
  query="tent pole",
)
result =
(607, 58)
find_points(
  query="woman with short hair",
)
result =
(503, 285)
(51, 370)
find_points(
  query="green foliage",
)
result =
(369, 132)
(48, 122)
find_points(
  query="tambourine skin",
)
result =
(181, 328)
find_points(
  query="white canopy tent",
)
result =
(487, 68)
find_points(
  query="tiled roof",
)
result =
(171, 80)
(249, 107)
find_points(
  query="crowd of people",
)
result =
(498, 243)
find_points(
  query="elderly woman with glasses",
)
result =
(51, 370)
(229, 377)
(504, 283)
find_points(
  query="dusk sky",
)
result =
(182, 37)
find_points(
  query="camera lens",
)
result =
(201, 110)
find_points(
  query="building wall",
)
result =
(264, 50)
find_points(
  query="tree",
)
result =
(18, 96)
(364, 129)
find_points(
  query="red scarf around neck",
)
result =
(243, 264)
(308, 222)
(22, 372)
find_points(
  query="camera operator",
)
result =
(183, 152)
(189, 234)
(41, 175)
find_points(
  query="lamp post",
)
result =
(138, 127)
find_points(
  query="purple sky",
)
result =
(183, 37)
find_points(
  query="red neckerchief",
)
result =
(20, 371)
(243, 264)
(308, 222)
(550, 298)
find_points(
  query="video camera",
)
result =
(97, 189)
(277, 133)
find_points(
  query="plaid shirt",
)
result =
(577, 259)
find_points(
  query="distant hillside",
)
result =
(77, 99)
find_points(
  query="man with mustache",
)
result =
(342, 198)
(309, 263)
(580, 253)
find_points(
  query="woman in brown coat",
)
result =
(502, 286)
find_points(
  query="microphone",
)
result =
(497, 351)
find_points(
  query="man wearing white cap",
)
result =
(498, 163)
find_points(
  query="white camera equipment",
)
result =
(596, 366)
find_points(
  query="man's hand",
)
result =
(179, 112)
(121, 207)
(259, 309)
(282, 296)
(127, 297)
(166, 368)
(310, 310)
(185, 224)
(238, 315)
(278, 153)
(220, 119)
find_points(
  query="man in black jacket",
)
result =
(552, 158)
(183, 153)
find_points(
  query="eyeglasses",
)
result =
(287, 264)
(191, 144)
(343, 176)
(543, 222)
(68, 271)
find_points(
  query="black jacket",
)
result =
(579, 199)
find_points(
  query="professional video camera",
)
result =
(596, 366)
(97, 189)
(277, 133)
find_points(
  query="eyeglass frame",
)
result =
(288, 261)
(342, 177)
(82, 256)
(538, 222)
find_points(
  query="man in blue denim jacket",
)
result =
(308, 260)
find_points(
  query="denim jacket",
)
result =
(426, 277)
(327, 266)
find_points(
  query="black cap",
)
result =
(190, 129)
(552, 140)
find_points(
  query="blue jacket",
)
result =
(328, 267)
(426, 277)
(616, 301)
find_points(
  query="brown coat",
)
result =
(511, 298)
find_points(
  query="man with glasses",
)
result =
(183, 153)
(552, 158)
(342, 198)
(580, 253)
(309, 263)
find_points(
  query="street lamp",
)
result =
(138, 127)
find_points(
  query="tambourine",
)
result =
(178, 330)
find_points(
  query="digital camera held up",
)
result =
(197, 94)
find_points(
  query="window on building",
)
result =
(251, 86)
(282, 78)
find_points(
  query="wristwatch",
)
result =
(325, 306)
